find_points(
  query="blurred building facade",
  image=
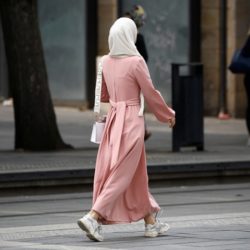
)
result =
(237, 26)
(75, 32)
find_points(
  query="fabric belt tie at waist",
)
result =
(119, 113)
(134, 102)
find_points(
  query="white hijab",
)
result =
(122, 38)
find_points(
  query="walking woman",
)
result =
(121, 193)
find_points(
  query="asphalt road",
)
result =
(201, 217)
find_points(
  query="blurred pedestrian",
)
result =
(138, 15)
(246, 53)
(121, 193)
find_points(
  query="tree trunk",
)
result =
(35, 120)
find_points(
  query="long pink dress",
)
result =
(121, 191)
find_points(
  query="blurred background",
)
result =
(74, 33)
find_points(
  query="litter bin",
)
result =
(187, 101)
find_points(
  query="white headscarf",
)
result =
(122, 38)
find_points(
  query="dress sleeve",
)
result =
(152, 96)
(104, 91)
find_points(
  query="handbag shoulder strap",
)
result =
(98, 87)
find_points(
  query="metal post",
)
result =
(194, 30)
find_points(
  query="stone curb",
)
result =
(155, 172)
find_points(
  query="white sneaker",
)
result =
(161, 227)
(91, 227)
(155, 229)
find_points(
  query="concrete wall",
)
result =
(107, 14)
(210, 54)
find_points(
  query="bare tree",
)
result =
(35, 120)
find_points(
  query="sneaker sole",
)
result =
(86, 229)
(150, 235)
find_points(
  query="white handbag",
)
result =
(97, 132)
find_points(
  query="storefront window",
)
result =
(63, 27)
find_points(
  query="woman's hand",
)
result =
(171, 122)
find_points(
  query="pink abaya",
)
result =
(121, 191)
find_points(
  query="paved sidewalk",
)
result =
(213, 232)
(210, 217)
(225, 151)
